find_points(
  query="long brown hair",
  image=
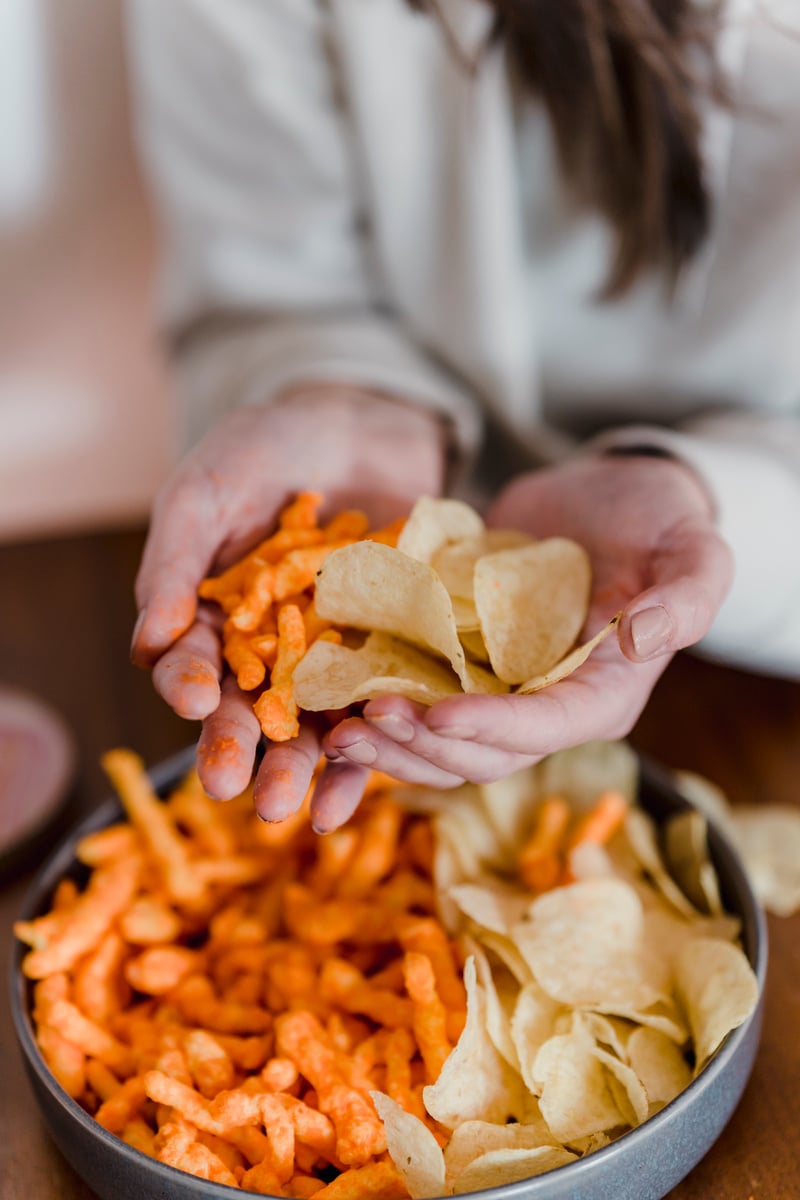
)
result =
(620, 81)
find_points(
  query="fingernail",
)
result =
(360, 752)
(461, 732)
(397, 728)
(137, 629)
(650, 631)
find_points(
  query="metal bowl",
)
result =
(644, 1164)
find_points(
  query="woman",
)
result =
(578, 218)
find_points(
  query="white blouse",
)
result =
(343, 198)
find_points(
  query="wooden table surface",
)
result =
(65, 617)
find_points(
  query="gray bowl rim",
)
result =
(167, 773)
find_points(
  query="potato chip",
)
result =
(454, 563)
(574, 1094)
(576, 658)
(626, 1088)
(686, 849)
(331, 676)
(473, 1139)
(499, 1167)
(505, 949)
(471, 639)
(584, 946)
(533, 1022)
(435, 523)
(641, 834)
(768, 839)
(500, 991)
(509, 803)
(413, 1149)
(577, 772)
(492, 907)
(718, 989)
(532, 602)
(475, 1081)
(659, 1064)
(374, 587)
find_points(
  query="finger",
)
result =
(285, 774)
(188, 675)
(227, 747)
(472, 760)
(337, 795)
(693, 572)
(180, 548)
(427, 760)
(602, 700)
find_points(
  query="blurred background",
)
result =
(85, 414)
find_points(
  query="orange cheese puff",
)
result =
(66, 1060)
(597, 826)
(350, 524)
(376, 1181)
(115, 1113)
(263, 1180)
(117, 841)
(276, 708)
(359, 1131)
(539, 864)
(301, 513)
(64, 896)
(377, 849)
(71, 934)
(176, 1146)
(92, 1038)
(148, 921)
(209, 1063)
(154, 823)
(324, 923)
(160, 968)
(248, 668)
(198, 1002)
(303, 1187)
(344, 984)
(98, 986)
(398, 1078)
(279, 1074)
(426, 936)
(137, 1133)
(225, 1150)
(430, 1015)
(101, 1079)
(602, 820)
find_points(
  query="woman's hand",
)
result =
(360, 450)
(648, 527)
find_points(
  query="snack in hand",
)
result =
(427, 608)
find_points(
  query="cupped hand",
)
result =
(358, 449)
(648, 526)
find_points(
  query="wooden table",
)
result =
(65, 618)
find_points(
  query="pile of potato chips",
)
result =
(448, 994)
(453, 607)
(591, 1005)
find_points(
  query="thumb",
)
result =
(692, 571)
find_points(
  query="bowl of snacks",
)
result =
(541, 988)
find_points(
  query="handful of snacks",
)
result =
(454, 991)
(429, 607)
